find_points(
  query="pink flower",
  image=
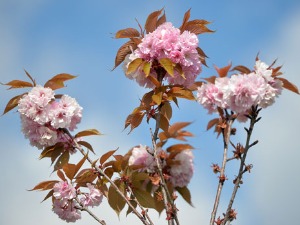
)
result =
(65, 113)
(94, 198)
(64, 190)
(143, 156)
(206, 96)
(182, 172)
(245, 91)
(39, 136)
(167, 42)
(34, 104)
(66, 210)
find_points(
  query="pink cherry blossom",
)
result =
(64, 190)
(182, 171)
(94, 198)
(67, 210)
(167, 42)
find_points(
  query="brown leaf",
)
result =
(185, 20)
(87, 145)
(86, 176)
(146, 68)
(30, 77)
(12, 103)
(87, 133)
(211, 79)
(134, 120)
(144, 198)
(185, 193)
(164, 123)
(202, 56)
(242, 69)
(161, 20)
(79, 164)
(288, 85)
(127, 33)
(212, 123)
(50, 194)
(70, 170)
(196, 27)
(61, 175)
(173, 129)
(123, 51)
(166, 110)
(62, 160)
(106, 156)
(223, 71)
(151, 22)
(45, 185)
(57, 81)
(18, 84)
(179, 147)
(116, 202)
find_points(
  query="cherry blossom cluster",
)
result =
(42, 115)
(180, 168)
(167, 42)
(65, 203)
(241, 91)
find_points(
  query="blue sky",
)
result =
(50, 37)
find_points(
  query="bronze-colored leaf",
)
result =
(45, 185)
(134, 120)
(161, 20)
(30, 77)
(179, 147)
(70, 170)
(129, 210)
(87, 133)
(134, 65)
(106, 156)
(154, 81)
(151, 22)
(12, 103)
(211, 79)
(79, 164)
(157, 98)
(86, 176)
(123, 51)
(62, 160)
(164, 123)
(182, 92)
(61, 175)
(223, 71)
(177, 126)
(18, 84)
(185, 20)
(127, 33)
(241, 69)
(166, 110)
(168, 65)
(50, 194)
(57, 81)
(116, 202)
(87, 145)
(144, 198)
(212, 123)
(288, 85)
(196, 27)
(202, 56)
(185, 193)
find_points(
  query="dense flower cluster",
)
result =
(167, 42)
(42, 116)
(241, 91)
(65, 204)
(180, 168)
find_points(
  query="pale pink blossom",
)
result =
(67, 210)
(94, 198)
(39, 136)
(64, 190)
(167, 42)
(182, 171)
(143, 156)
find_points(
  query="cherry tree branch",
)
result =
(243, 167)
(100, 171)
(226, 139)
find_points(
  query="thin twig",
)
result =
(83, 208)
(242, 163)
(226, 140)
(100, 171)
